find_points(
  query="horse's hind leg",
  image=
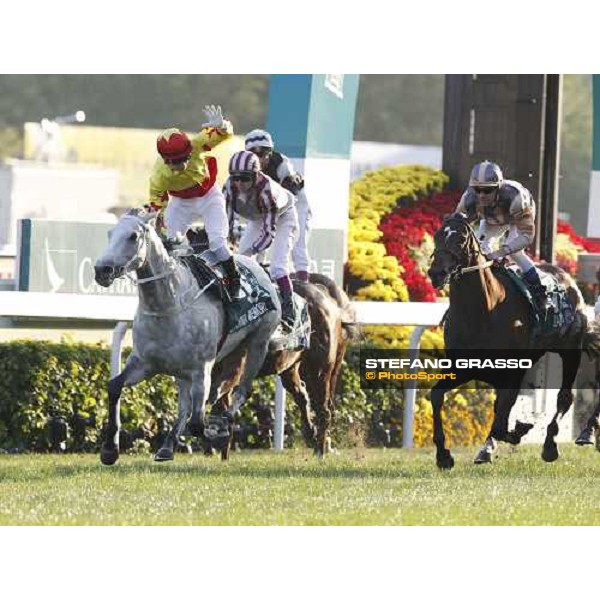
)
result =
(587, 435)
(318, 384)
(295, 386)
(166, 452)
(505, 400)
(133, 373)
(570, 365)
(257, 352)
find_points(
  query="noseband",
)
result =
(471, 240)
(128, 266)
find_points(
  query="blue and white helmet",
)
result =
(258, 138)
(486, 174)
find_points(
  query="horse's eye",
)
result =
(133, 237)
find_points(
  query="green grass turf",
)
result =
(355, 487)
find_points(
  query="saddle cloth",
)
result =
(242, 313)
(560, 313)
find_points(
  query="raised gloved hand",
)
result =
(214, 114)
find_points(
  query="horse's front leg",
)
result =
(443, 457)
(184, 403)
(133, 373)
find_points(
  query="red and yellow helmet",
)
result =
(173, 145)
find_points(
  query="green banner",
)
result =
(59, 256)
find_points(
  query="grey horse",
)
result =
(178, 329)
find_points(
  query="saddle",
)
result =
(560, 314)
(242, 313)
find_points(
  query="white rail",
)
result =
(18, 308)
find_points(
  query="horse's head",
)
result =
(127, 247)
(456, 247)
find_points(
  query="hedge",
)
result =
(55, 390)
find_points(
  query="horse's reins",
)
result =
(485, 265)
(462, 270)
(170, 270)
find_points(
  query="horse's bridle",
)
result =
(125, 269)
(458, 270)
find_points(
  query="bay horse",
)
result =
(310, 375)
(179, 328)
(488, 314)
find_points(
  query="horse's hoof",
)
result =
(550, 452)
(195, 428)
(444, 460)
(483, 457)
(586, 437)
(319, 453)
(109, 456)
(163, 455)
(521, 430)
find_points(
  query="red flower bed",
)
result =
(405, 228)
(588, 245)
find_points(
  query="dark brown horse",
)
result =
(489, 314)
(310, 375)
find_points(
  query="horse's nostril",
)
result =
(102, 274)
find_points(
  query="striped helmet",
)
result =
(258, 138)
(244, 162)
(486, 174)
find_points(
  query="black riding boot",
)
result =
(288, 309)
(233, 279)
(537, 289)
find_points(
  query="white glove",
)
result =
(214, 114)
(499, 254)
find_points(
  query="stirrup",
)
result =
(236, 294)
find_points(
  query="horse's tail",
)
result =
(340, 297)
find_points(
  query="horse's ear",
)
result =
(135, 212)
(147, 217)
(457, 215)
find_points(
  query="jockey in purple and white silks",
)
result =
(271, 220)
(279, 168)
(503, 206)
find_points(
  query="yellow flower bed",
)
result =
(566, 248)
(373, 196)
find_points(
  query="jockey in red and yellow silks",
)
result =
(184, 179)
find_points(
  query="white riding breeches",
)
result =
(283, 242)
(488, 234)
(300, 255)
(181, 213)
